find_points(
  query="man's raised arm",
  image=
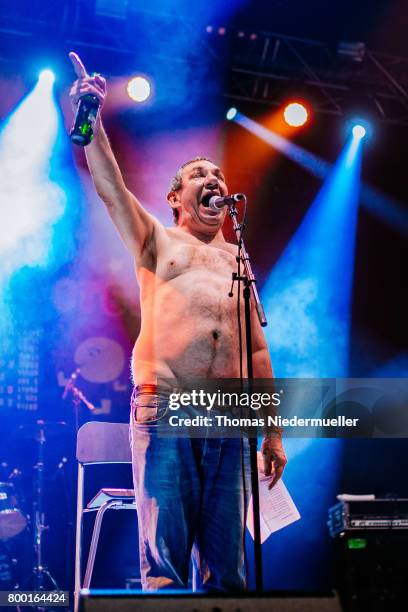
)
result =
(136, 226)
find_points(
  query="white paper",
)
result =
(277, 508)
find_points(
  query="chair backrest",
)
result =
(99, 442)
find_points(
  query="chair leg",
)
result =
(78, 535)
(95, 539)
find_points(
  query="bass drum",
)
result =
(12, 520)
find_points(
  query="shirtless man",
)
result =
(188, 492)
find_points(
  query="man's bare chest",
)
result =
(181, 259)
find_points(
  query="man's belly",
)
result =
(193, 336)
(189, 327)
(209, 353)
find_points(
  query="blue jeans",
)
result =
(190, 501)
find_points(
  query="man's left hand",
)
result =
(274, 458)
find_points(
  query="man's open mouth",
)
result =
(205, 200)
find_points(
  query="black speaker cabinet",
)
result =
(372, 570)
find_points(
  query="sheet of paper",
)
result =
(277, 509)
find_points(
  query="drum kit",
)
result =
(12, 520)
(19, 517)
(22, 515)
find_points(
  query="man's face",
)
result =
(201, 180)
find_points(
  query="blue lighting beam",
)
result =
(308, 294)
(385, 208)
(307, 298)
(32, 201)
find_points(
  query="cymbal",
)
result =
(100, 359)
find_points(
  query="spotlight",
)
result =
(138, 89)
(359, 131)
(231, 113)
(47, 76)
(358, 126)
(295, 114)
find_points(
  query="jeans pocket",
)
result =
(149, 409)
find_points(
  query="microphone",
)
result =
(218, 202)
(70, 384)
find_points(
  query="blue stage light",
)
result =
(359, 131)
(47, 76)
(231, 113)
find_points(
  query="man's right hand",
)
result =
(85, 84)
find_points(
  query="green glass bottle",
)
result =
(85, 118)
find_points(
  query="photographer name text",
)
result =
(270, 421)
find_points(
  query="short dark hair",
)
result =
(176, 181)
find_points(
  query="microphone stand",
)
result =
(77, 396)
(249, 281)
